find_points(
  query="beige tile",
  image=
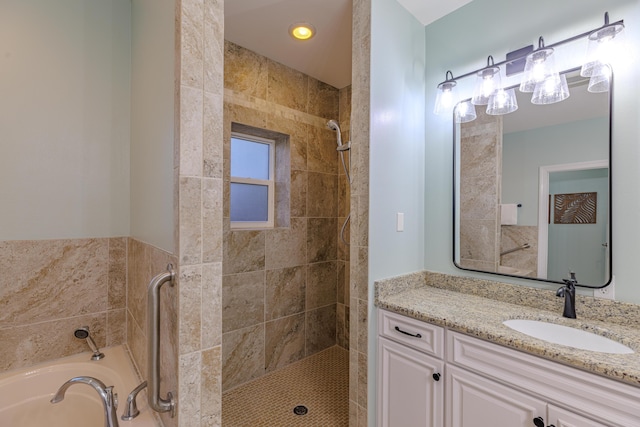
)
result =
(322, 281)
(479, 197)
(75, 271)
(240, 114)
(211, 305)
(478, 240)
(321, 239)
(190, 389)
(321, 150)
(362, 274)
(192, 46)
(212, 232)
(284, 341)
(323, 100)
(190, 324)
(190, 220)
(322, 195)
(362, 379)
(116, 327)
(214, 46)
(342, 329)
(245, 71)
(344, 105)
(320, 382)
(363, 322)
(353, 375)
(285, 292)
(286, 247)
(242, 356)
(340, 286)
(117, 293)
(287, 86)
(298, 193)
(191, 131)
(320, 328)
(282, 204)
(297, 133)
(211, 403)
(242, 300)
(213, 136)
(243, 251)
(30, 344)
(344, 195)
(137, 343)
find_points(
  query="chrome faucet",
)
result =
(109, 398)
(568, 291)
(131, 410)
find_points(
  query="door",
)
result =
(474, 401)
(410, 392)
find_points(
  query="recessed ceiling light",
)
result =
(302, 31)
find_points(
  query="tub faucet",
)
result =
(568, 291)
(109, 398)
(131, 410)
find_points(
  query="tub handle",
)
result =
(156, 402)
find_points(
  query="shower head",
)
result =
(83, 334)
(333, 125)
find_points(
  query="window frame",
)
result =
(269, 183)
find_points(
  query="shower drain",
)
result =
(300, 410)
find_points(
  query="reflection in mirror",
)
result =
(532, 189)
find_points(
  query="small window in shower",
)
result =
(252, 181)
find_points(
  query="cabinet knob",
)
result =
(538, 422)
(436, 376)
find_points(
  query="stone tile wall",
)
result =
(480, 189)
(281, 286)
(51, 287)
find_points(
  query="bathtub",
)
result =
(25, 393)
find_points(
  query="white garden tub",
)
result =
(25, 393)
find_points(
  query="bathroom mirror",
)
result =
(532, 189)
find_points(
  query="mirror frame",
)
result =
(456, 179)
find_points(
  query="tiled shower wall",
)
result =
(51, 287)
(284, 294)
(480, 189)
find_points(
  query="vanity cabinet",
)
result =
(485, 384)
(410, 373)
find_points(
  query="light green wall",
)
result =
(524, 152)
(461, 42)
(396, 180)
(64, 118)
(152, 122)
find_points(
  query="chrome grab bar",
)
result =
(519, 248)
(157, 403)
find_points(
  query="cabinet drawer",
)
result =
(413, 333)
(610, 402)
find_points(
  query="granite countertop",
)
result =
(482, 317)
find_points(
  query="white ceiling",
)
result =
(261, 26)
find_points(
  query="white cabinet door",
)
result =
(559, 417)
(408, 393)
(473, 401)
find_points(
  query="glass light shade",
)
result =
(502, 102)
(600, 79)
(487, 82)
(604, 45)
(552, 90)
(539, 66)
(465, 112)
(445, 97)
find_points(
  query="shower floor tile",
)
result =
(319, 382)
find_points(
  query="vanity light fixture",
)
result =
(551, 90)
(445, 96)
(502, 101)
(487, 82)
(547, 85)
(539, 67)
(603, 44)
(302, 31)
(465, 112)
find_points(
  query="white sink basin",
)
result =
(564, 335)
